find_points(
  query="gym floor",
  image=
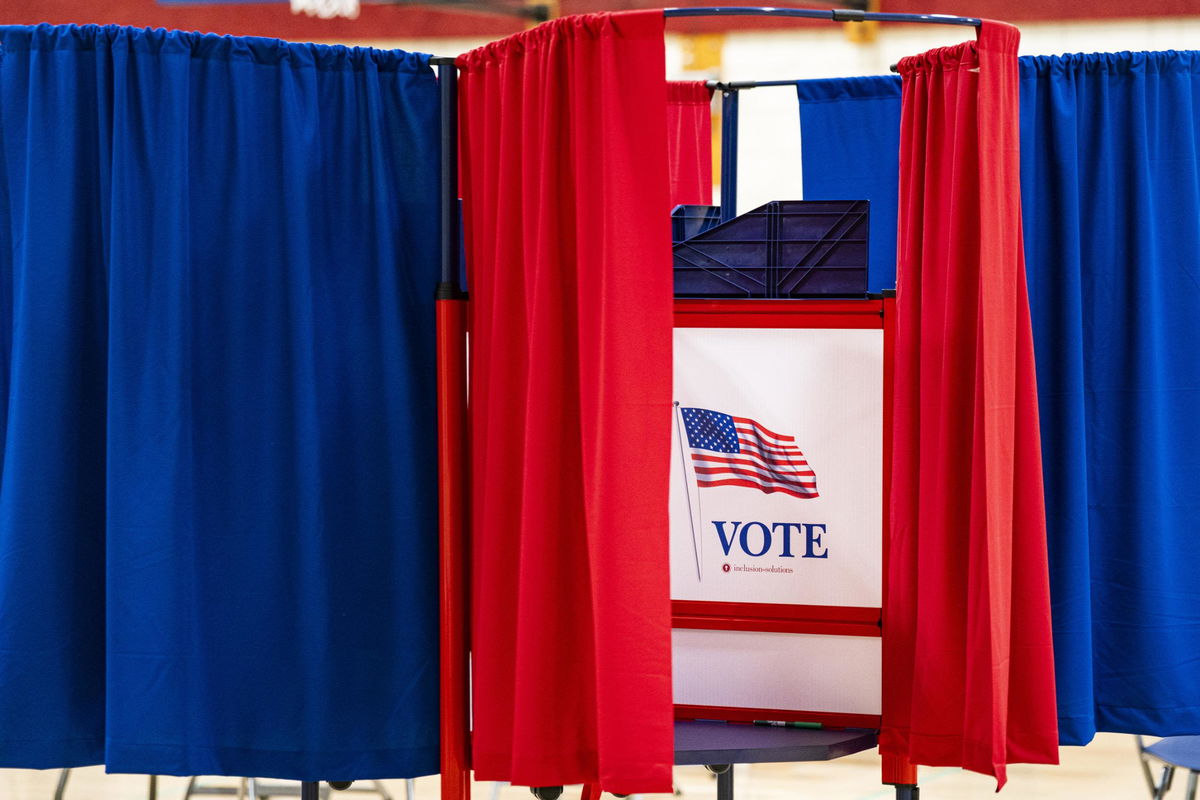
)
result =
(1107, 768)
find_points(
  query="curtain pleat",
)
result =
(689, 142)
(564, 144)
(969, 677)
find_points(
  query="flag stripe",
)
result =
(791, 470)
(744, 472)
(772, 454)
(758, 441)
(765, 431)
(793, 456)
(753, 485)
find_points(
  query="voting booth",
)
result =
(781, 368)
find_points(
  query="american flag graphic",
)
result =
(737, 451)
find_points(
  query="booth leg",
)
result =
(901, 773)
(310, 790)
(454, 580)
(725, 784)
(452, 464)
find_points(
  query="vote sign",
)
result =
(777, 503)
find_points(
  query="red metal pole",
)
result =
(896, 770)
(453, 572)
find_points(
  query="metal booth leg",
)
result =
(310, 790)
(898, 771)
(1191, 787)
(725, 784)
(724, 773)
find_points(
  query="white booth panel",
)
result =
(784, 671)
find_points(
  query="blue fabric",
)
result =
(1111, 201)
(850, 150)
(217, 497)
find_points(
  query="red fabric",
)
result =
(565, 195)
(689, 142)
(968, 653)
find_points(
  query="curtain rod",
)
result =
(834, 14)
(733, 86)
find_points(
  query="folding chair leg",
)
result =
(1165, 784)
(62, 784)
(1145, 764)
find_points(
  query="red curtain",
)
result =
(968, 653)
(565, 196)
(689, 142)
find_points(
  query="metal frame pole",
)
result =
(830, 14)
(448, 201)
(729, 153)
(453, 586)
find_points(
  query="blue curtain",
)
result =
(217, 492)
(1111, 199)
(1111, 202)
(850, 150)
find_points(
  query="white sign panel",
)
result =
(786, 671)
(777, 471)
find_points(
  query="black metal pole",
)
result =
(310, 790)
(449, 288)
(725, 784)
(831, 14)
(729, 154)
(724, 85)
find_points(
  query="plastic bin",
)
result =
(688, 221)
(786, 248)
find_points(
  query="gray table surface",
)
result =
(698, 742)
